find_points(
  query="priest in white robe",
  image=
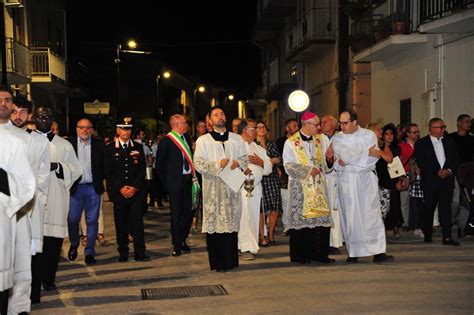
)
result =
(29, 240)
(357, 153)
(17, 186)
(65, 169)
(307, 156)
(222, 206)
(259, 166)
(336, 240)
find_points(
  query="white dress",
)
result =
(248, 232)
(357, 183)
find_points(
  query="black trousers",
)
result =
(181, 216)
(309, 244)
(4, 302)
(128, 217)
(439, 193)
(49, 259)
(35, 279)
(417, 207)
(222, 250)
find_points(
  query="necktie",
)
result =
(186, 164)
(125, 146)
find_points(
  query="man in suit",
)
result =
(437, 159)
(125, 169)
(87, 190)
(175, 166)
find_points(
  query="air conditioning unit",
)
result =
(13, 3)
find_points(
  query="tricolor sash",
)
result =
(315, 203)
(184, 147)
(186, 150)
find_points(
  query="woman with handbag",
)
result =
(389, 188)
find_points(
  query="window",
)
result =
(405, 112)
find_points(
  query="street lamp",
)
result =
(132, 45)
(201, 89)
(298, 102)
(159, 110)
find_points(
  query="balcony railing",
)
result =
(436, 9)
(18, 58)
(46, 65)
(316, 25)
(382, 21)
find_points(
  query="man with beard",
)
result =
(17, 187)
(29, 242)
(86, 193)
(221, 205)
(65, 169)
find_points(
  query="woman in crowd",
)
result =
(271, 200)
(389, 188)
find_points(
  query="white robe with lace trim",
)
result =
(221, 206)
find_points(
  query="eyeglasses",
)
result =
(414, 132)
(260, 127)
(344, 123)
(318, 124)
(440, 127)
(84, 127)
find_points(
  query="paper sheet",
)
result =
(233, 178)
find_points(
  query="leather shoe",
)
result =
(352, 260)
(327, 260)
(90, 260)
(450, 242)
(185, 247)
(49, 286)
(72, 254)
(176, 252)
(383, 258)
(123, 258)
(142, 257)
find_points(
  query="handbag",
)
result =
(396, 169)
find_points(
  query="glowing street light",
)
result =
(132, 45)
(298, 101)
(230, 97)
(159, 109)
(201, 89)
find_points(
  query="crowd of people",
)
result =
(328, 179)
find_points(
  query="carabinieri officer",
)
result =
(125, 169)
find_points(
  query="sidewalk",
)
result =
(425, 278)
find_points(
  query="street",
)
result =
(425, 278)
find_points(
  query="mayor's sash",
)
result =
(314, 192)
(186, 150)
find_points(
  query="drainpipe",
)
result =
(343, 55)
(441, 73)
(3, 47)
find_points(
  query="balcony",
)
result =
(310, 35)
(270, 13)
(384, 31)
(447, 16)
(18, 62)
(47, 68)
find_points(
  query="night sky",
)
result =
(210, 41)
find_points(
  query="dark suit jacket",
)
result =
(121, 168)
(169, 163)
(97, 161)
(426, 160)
